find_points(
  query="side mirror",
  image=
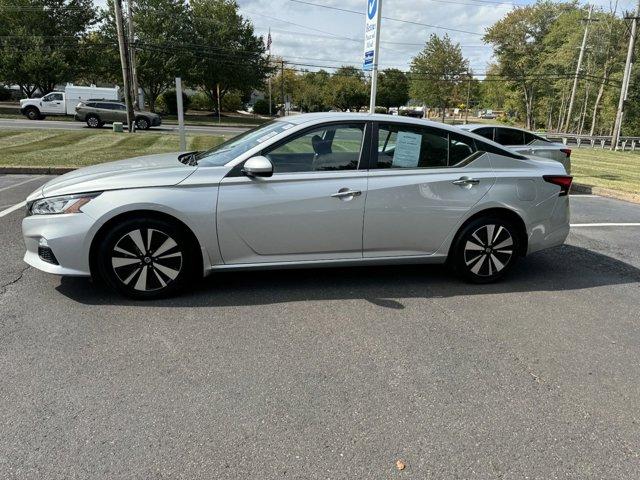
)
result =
(258, 167)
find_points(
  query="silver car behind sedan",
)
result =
(308, 190)
(523, 142)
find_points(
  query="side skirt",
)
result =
(430, 259)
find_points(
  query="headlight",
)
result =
(64, 204)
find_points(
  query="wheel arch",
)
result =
(143, 213)
(500, 212)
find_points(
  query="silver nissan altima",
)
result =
(309, 190)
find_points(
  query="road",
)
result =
(332, 373)
(68, 125)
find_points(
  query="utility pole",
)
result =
(617, 127)
(578, 68)
(124, 60)
(132, 58)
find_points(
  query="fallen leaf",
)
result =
(400, 465)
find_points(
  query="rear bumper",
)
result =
(554, 230)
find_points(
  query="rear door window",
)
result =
(486, 132)
(414, 146)
(509, 136)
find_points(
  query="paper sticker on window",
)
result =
(407, 153)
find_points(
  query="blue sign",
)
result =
(372, 6)
(368, 60)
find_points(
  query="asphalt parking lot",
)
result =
(332, 373)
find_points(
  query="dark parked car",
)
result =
(98, 112)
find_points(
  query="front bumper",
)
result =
(66, 236)
(156, 121)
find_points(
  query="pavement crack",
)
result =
(5, 286)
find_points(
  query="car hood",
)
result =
(149, 171)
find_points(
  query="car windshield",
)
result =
(227, 151)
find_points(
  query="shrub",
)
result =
(5, 94)
(167, 102)
(200, 101)
(232, 101)
(261, 107)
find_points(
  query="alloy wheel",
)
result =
(142, 124)
(488, 250)
(93, 122)
(146, 259)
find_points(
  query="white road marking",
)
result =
(580, 225)
(21, 183)
(585, 195)
(17, 206)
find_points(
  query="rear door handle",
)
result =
(464, 181)
(346, 192)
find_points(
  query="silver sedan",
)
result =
(308, 190)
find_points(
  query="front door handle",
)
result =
(346, 192)
(464, 181)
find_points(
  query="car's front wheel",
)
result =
(145, 258)
(486, 249)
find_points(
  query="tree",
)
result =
(163, 51)
(348, 89)
(313, 91)
(229, 56)
(518, 41)
(393, 88)
(39, 41)
(438, 72)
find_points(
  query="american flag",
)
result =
(269, 41)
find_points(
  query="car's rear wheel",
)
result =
(145, 258)
(142, 123)
(486, 249)
(93, 121)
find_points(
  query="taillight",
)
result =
(563, 181)
(566, 151)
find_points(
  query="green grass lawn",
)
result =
(76, 149)
(604, 168)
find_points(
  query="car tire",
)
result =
(485, 250)
(32, 113)
(143, 123)
(93, 121)
(145, 258)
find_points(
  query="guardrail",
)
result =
(596, 141)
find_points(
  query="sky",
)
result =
(314, 35)
(309, 37)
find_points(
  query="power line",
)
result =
(412, 22)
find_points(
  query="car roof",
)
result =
(364, 117)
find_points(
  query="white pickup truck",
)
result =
(64, 103)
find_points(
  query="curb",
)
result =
(581, 188)
(36, 170)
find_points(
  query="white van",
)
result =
(65, 103)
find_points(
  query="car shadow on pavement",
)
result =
(562, 268)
